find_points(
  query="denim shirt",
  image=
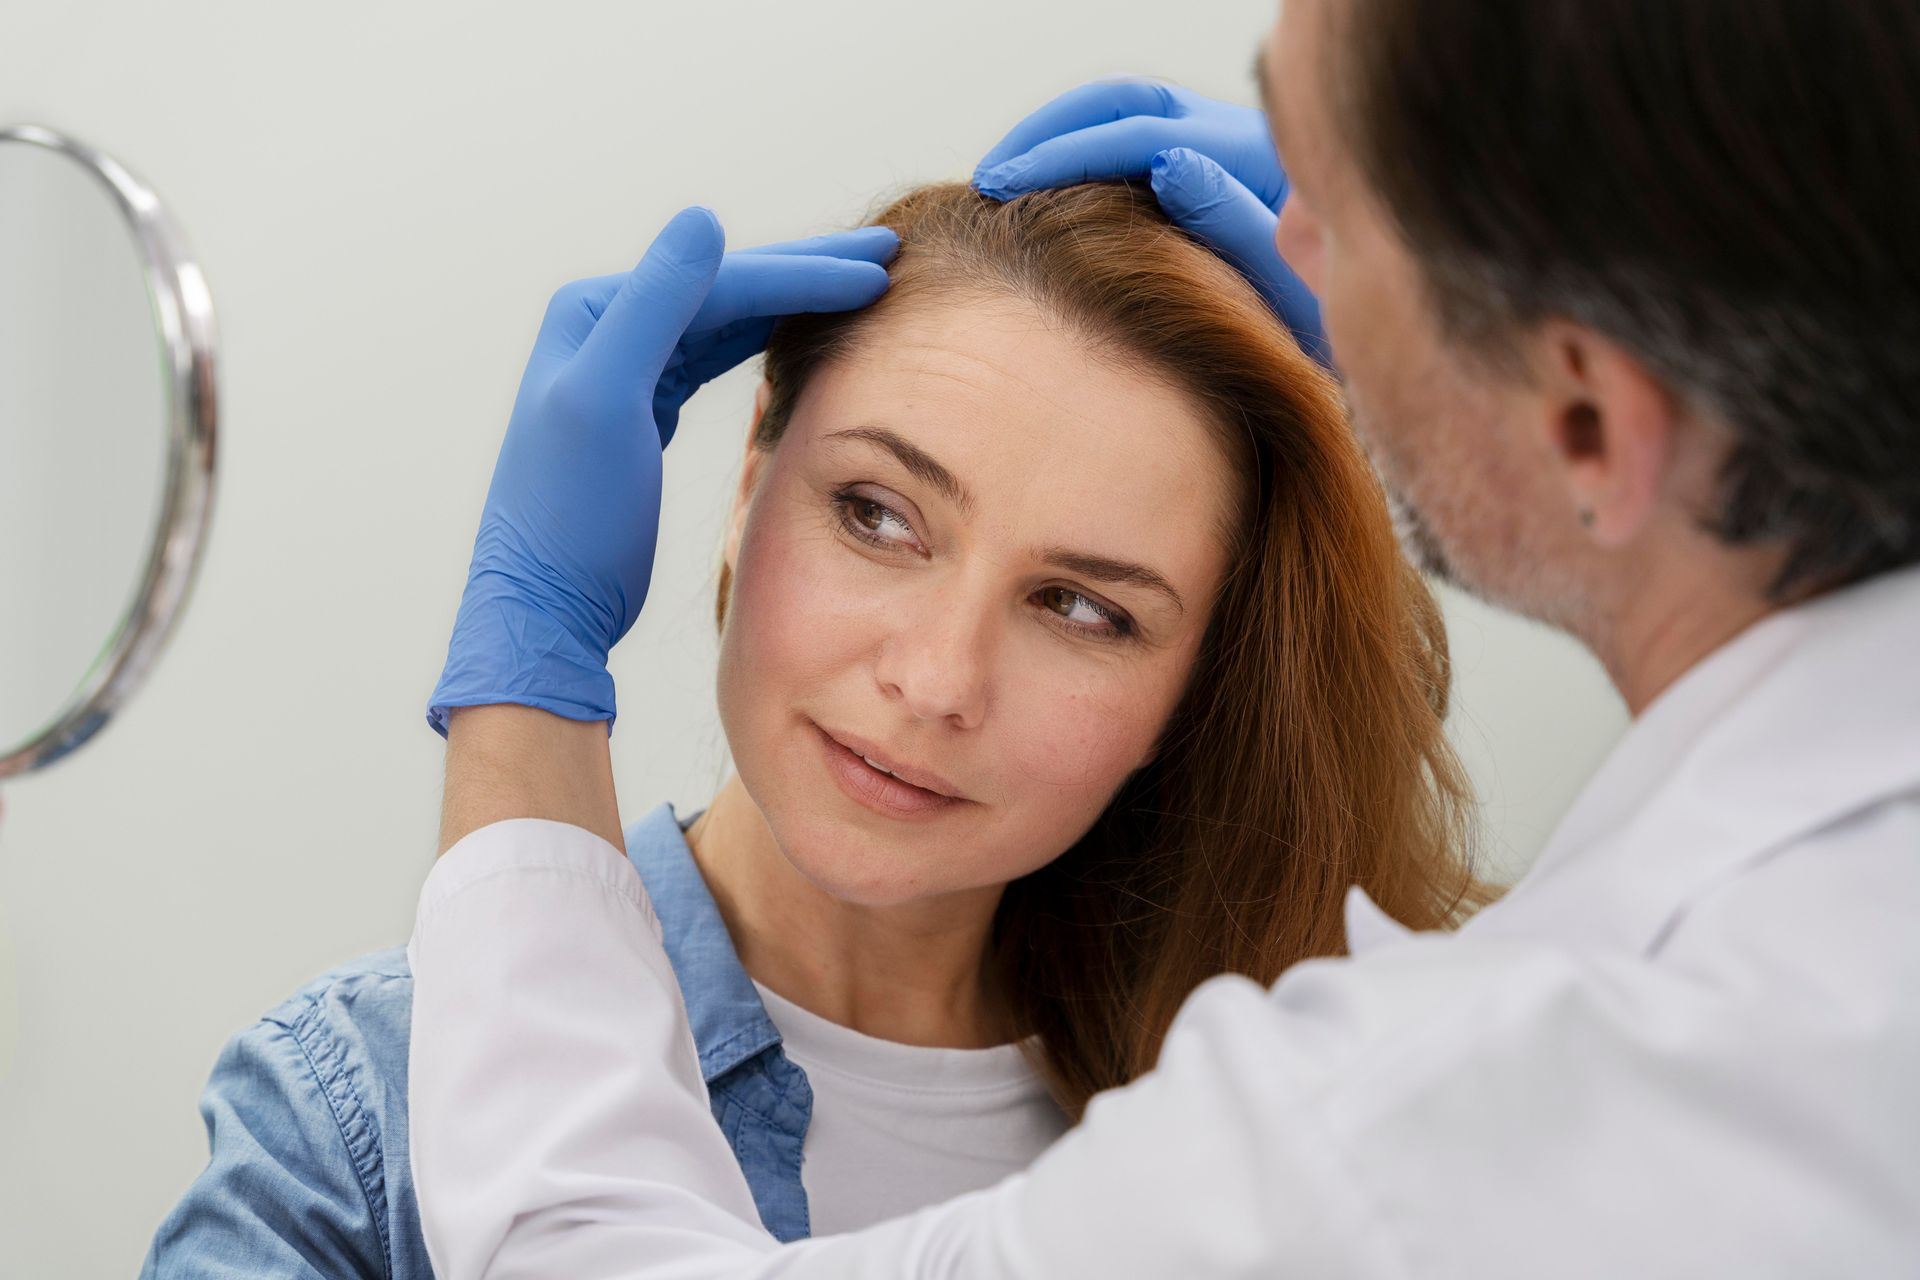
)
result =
(306, 1111)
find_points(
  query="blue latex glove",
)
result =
(1212, 165)
(565, 549)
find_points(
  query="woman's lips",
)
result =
(881, 792)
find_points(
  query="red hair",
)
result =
(1307, 754)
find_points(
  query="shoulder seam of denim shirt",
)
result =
(358, 1129)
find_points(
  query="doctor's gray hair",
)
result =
(1726, 188)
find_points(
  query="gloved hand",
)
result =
(1212, 165)
(565, 549)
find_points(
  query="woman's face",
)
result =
(982, 557)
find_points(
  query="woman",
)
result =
(1068, 659)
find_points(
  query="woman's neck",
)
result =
(913, 972)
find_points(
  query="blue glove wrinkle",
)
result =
(534, 662)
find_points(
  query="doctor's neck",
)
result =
(1660, 617)
(915, 972)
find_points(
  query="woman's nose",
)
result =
(938, 661)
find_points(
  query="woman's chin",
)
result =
(848, 862)
(848, 865)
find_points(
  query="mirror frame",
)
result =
(183, 312)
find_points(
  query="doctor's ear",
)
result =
(1611, 424)
(749, 477)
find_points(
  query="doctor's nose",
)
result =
(938, 662)
(1297, 238)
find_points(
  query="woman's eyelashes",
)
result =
(1084, 614)
(872, 521)
(864, 516)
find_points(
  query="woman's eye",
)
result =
(1082, 612)
(873, 521)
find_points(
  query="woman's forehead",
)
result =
(997, 387)
(1052, 441)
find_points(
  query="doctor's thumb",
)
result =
(661, 296)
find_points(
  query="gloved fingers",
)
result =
(866, 244)
(751, 292)
(1116, 149)
(729, 347)
(1206, 200)
(577, 306)
(769, 284)
(1100, 102)
(643, 322)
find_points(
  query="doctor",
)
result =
(1627, 299)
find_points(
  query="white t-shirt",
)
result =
(897, 1127)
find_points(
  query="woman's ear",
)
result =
(749, 477)
(761, 398)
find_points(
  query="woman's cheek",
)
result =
(1082, 737)
(794, 617)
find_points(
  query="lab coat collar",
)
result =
(1807, 717)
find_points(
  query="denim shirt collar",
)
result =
(730, 1024)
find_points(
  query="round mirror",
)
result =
(107, 413)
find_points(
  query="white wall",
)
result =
(383, 198)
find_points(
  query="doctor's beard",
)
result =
(1465, 519)
(1417, 538)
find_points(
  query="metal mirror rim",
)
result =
(184, 312)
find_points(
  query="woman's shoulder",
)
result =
(350, 1026)
(347, 1029)
(361, 1010)
(380, 976)
(306, 1108)
(307, 1132)
(333, 1055)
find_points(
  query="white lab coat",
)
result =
(1687, 1044)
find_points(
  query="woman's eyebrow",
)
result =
(1107, 569)
(915, 459)
(1084, 563)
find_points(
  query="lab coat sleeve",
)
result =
(561, 1129)
(552, 1078)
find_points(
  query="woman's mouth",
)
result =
(881, 784)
